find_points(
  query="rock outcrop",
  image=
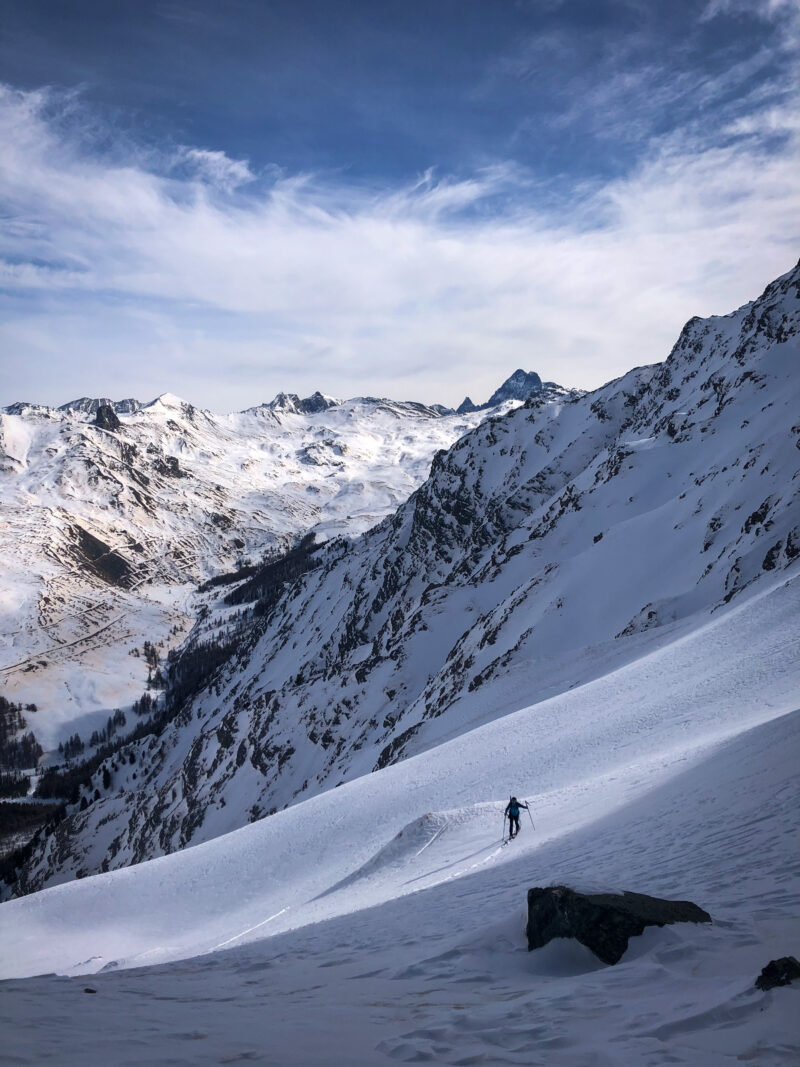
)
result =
(778, 972)
(106, 418)
(603, 922)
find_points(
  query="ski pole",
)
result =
(531, 818)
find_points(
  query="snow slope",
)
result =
(588, 750)
(547, 548)
(595, 605)
(674, 775)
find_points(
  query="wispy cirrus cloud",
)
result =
(124, 273)
(214, 167)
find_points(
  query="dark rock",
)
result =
(603, 922)
(519, 386)
(106, 418)
(96, 556)
(315, 403)
(522, 385)
(311, 405)
(778, 972)
(86, 405)
(169, 467)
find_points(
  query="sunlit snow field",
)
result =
(383, 922)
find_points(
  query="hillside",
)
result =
(549, 547)
(108, 526)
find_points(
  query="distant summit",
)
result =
(311, 405)
(519, 386)
(522, 385)
(87, 405)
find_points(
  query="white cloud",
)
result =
(226, 286)
(767, 9)
(215, 167)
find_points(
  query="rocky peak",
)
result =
(521, 385)
(87, 405)
(310, 405)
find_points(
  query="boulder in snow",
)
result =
(778, 972)
(603, 922)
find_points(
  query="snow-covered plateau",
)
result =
(592, 602)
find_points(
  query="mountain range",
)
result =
(114, 512)
(553, 543)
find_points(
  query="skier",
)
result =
(512, 813)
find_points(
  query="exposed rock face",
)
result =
(317, 402)
(311, 405)
(87, 405)
(519, 386)
(778, 972)
(603, 922)
(106, 418)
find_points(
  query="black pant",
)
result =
(513, 821)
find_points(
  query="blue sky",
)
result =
(408, 199)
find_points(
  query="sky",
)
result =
(401, 199)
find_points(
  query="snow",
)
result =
(387, 913)
(623, 572)
(253, 481)
(541, 554)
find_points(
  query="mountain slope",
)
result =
(548, 547)
(107, 529)
(436, 819)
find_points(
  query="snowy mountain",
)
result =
(112, 513)
(549, 547)
(521, 385)
(312, 405)
(86, 405)
(383, 922)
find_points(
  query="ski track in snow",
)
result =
(385, 912)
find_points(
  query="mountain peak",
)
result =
(310, 405)
(521, 385)
(87, 405)
(167, 401)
